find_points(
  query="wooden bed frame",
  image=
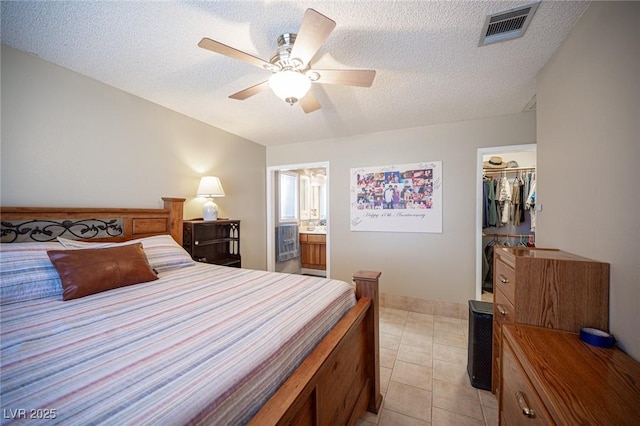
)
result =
(334, 385)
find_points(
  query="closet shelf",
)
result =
(512, 170)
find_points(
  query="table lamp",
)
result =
(209, 188)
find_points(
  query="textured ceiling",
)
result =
(429, 67)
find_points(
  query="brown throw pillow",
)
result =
(90, 271)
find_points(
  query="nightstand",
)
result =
(216, 241)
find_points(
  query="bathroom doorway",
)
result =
(302, 192)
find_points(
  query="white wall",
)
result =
(589, 153)
(428, 266)
(68, 140)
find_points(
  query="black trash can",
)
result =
(480, 344)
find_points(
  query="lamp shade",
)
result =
(289, 85)
(210, 186)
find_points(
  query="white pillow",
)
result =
(26, 273)
(162, 251)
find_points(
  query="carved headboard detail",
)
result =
(29, 224)
(26, 231)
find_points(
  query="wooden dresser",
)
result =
(552, 377)
(547, 288)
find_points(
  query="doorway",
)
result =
(312, 213)
(525, 156)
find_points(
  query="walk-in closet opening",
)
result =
(505, 207)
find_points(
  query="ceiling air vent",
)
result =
(508, 24)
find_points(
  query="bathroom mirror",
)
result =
(313, 204)
(305, 197)
(318, 197)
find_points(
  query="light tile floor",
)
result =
(423, 370)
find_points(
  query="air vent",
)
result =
(508, 24)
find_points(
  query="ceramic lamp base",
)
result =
(209, 210)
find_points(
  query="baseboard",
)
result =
(314, 272)
(425, 306)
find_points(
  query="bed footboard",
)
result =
(340, 379)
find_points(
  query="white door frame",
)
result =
(271, 220)
(481, 153)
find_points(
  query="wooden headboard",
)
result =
(29, 224)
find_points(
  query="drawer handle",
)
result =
(503, 279)
(501, 310)
(522, 402)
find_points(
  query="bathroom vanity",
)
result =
(313, 249)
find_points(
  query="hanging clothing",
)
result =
(487, 274)
(493, 206)
(523, 195)
(530, 204)
(485, 266)
(496, 192)
(505, 199)
(525, 187)
(485, 203)
(515, 202)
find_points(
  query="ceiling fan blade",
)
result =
(313, 32)
(309, 103)
(223, 49)
(361, 78)
(250, 91)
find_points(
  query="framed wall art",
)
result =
(402, 198)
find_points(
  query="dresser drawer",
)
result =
(504, 279)
(503, 309)
(519, 402)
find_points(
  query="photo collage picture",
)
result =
(409, 189)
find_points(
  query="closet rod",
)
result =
(509, 235)
(498, 171)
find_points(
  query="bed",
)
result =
(191, 343)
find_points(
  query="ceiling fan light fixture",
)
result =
(289, 85)
(291, 64)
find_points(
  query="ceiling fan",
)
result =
(292, 75)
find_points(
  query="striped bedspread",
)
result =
(203, 344)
